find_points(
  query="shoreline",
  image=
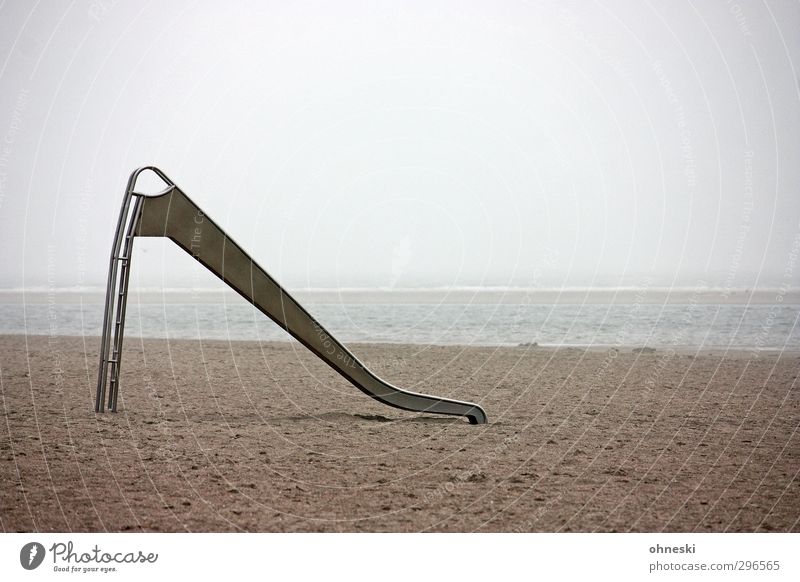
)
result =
(650, 349)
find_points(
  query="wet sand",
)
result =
(213, 436)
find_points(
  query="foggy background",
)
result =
(414, 144)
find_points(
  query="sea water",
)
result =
(695, 325)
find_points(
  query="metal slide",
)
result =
(170, 213)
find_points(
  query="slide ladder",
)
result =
(170, 213)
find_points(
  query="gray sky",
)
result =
(366, 144)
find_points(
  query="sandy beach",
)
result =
(218, 436)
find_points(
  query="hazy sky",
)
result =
(407, 144)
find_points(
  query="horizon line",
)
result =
(433, 289)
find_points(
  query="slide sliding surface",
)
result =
(172, 214)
